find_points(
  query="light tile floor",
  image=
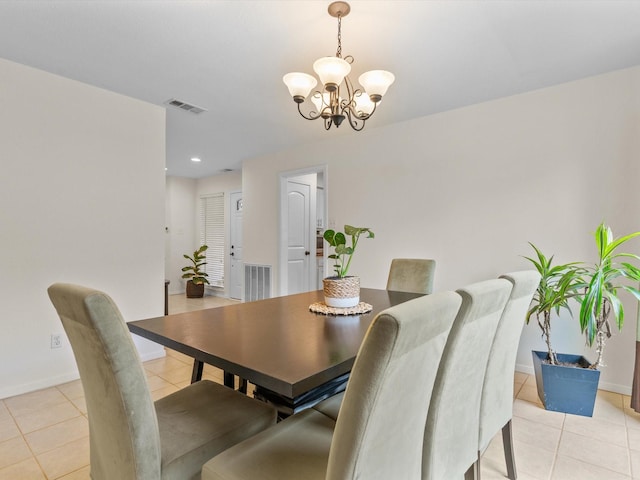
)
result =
(44, 435)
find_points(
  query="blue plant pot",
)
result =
(566, 389)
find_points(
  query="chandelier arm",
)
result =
(375, 106)
(366, 116)
(356, 123)
(350, 90)
(311, 115)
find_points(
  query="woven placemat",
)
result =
(320, 307)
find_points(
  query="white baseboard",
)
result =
(13, 390)
(153, 355)
(610, 387)
(528, 369)
(39, 384)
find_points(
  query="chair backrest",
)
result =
(450, 437)
(413, 275)
(496, 406)
(123, 428)
(379, 430)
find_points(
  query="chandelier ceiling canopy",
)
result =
(337, 99)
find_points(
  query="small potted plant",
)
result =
(341, 290)
(196, 278)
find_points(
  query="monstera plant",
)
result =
(343, 253)
(343, 291)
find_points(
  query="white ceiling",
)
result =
(229, 57)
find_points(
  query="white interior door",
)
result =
(300, 219)
(236, 272)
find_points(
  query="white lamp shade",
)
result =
(364, 105)
(299, 84)
(331, 70)
(376, 82)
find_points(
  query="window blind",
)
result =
(212, 234)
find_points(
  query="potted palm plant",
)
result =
(602, 281)
(196, 278)
(561, 386)
(558, 283)
(569, 383)
(341, 290)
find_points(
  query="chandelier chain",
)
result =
(339, 51)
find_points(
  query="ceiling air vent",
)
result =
(187, 107)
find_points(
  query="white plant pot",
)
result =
(341, 292)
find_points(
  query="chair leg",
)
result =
(509, 454)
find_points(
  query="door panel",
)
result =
(298, 236)
(236, 272)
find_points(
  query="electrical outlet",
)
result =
(56, 340)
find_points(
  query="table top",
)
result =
(277, 343)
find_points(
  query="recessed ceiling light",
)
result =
(195, 159)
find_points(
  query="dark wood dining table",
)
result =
(293, 356)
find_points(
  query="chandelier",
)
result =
(338, 99)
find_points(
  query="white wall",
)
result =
(82, 195)
(181, 228)
(471, 187)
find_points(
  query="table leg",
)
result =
(229, 380)
(242, 387)
(196, 373)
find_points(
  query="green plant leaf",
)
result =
(343, 253)
(617, 310)
(329, 236)
(633, 291)
(616, 243)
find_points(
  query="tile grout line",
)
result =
(557, 451)
(626, 428)
(22, 435)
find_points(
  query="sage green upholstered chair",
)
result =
(496, 405)
(130, 437)
(379, 430)
(413, 275)
(451, 433)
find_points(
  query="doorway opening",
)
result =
(303, 208)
